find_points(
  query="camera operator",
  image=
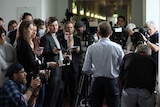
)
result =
(90, 31)
(130, 46)
(152, 40)
(83, 35)
(14, 92)
(121, 21)
(119, 32)
(119, 36)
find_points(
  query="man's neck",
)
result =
(53, 34)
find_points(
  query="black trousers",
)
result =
(102, 87)
(54, 96)
(70, 78)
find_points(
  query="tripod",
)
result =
(84, 80)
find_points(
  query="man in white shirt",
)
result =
(106, 56)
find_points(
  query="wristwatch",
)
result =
(31, 89)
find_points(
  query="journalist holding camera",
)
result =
(147, 34)
(70, 71)
(152, 40)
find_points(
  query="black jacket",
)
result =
(138, 71)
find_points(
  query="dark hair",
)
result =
(38, 22)
(66, 23)
(2, 30)
(11, 22)
(1, 19)
(51, 20)
(26, 14)
(122, 18)
(24, 25)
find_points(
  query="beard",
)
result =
(23, 81)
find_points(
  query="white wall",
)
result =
(62, 5)
(153, 12)
(9, 9)
(145, 10)
(136, 12)
(12, 9)
(54, 8)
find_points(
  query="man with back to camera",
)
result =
(106, 56)
(138, 76)
(14, 93)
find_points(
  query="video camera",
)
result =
(119, 36)
(137, 35)
(91, 30)
(67, 59)
(36, 72)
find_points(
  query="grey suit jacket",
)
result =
(48, 43)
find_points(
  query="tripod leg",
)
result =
(87, 88)
(79, 88)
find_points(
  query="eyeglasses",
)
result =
(21, 71)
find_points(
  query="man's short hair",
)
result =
(2, 30)
(151, 23)
(26, 14)
(1, 19)
(122, 18)
(51, 20)
(104, 28)
(142, 48)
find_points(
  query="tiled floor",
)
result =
(67, 105)
(157, 102)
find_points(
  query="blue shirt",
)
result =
(12, 95)
(103, 59)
